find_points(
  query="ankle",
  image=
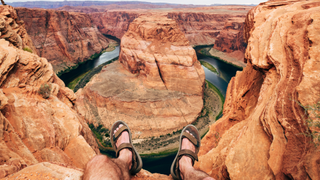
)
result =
(185, 164)
(125, 155)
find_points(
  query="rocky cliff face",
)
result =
(114, 22)
(204, 26)
(263, 133)
(63, 38)
(34, 129)
(231, 40)
(157, 86)
(200, 25)
(13, 30)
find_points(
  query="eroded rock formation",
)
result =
(34, 129)
(231, 40)
(203, 26)
(157, 87)
(114, 22)
(63, 38)
(13, 30)
(263, 133)
(200, 25)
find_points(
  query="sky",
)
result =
(195, 2)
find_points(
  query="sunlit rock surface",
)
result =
(156, 88)
(263, 133)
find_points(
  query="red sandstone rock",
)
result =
(65, 39)
(158, 52)
(47, 170)
(262, 134)
(114, 22)
(200, 25)
(13, 30)
(33, 129)
(156, 90)
(230, 39)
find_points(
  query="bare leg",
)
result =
(103, 167)
(185, 165)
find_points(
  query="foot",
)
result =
(185, 163)
(125, 154)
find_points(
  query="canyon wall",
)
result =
(64, 39)
(263, 133)
(114, 22)
(201, 26)
(156, 87)
(13, 30)
(230, 42)
(38, 132)
(68, 38)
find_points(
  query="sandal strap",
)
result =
(118, 133)
(123, 146)
(129, 146)
(192, 139)
(184, 152)
(189, 153)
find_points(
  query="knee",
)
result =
(97, 160)
(208, 178)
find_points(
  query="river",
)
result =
(88, 65)
(226, 72)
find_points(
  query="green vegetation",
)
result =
(27, 49)
(68, 69)
(312, 118)
(90, 74)
(214, 88)
(206, 53)
(45, 90)
(204, 50)
(161, 154)
(102, 135)
(209, 66)
(73, 83)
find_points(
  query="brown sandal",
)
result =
(195, 140)
(136, 159)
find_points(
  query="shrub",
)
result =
(313, 122)
(45, 90)
(27, 49)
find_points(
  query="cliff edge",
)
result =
(38, 132)
(64, 39)
(263, 133)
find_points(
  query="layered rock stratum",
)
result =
(64, 39)
(156, 87)
(13, 30)
(34, 129)
(201, 26)
(68, 38)
(263, 133)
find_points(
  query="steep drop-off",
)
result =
(263, 133)
(34, 129)
(156, 87)
(64, 38)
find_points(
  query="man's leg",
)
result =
(187, 172)
(103, 167)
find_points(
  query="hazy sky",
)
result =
(196, 2)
